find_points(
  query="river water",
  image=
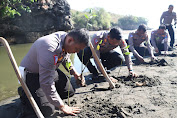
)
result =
(8, 79)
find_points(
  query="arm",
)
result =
(80, 80)
(166, 42)
(161, 18)
(47, 74)
(153, 40)
(149, 47)
(175, 20)
(46, 77)
(128, 60)
(130, 41)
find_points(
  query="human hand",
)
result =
(141, 59)
(153, 58)
(80, 80)
(70, 110)
(113, 80)
(132, 74)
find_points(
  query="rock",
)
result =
(46, 16)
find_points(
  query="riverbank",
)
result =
(156, 99)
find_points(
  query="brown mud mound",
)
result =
(159, 62)
(101, 108)
(141, 80)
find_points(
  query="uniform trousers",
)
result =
(62, 84)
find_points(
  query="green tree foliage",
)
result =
(131, 22)
(11, 8)
(92, 19)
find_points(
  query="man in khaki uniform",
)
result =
(159, 39)
(166, 19)
(140, 44)
(104, 42)
(46, 82)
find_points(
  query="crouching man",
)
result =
(47, 84)
(104, 42)
(159, 39)
(140, 44)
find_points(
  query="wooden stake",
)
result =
(111, 84)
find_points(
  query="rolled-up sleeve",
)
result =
(47, 75)
(153, 40)
(166, 42)
(124, 50)
(130, 41)
(161, 18)
(175, 18)
(149, 46)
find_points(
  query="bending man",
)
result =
(104, 42)
(137, 42)
(46, 82)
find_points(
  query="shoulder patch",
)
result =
(55, 59)
(96, 41)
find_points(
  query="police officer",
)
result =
(159, 39)
(137, 41)
(104, 42)
(46, 82)
(166, 19)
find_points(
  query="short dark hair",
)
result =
(80, 36)
(115, 33)
(170, 6)
(142, 27)
(162, 27)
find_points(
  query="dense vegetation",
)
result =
(99, 19)
(92, 19)
(11, 8)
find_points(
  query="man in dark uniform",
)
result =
(140, 44)
(166, 19)
(104, 42)
(46, 82)
(159, 39)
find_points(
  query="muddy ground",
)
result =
(155, 95)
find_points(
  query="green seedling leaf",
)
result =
(127, 47)
(127, 53)
(86, 16)
(18, 14)
(94, 15)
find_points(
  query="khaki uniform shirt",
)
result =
(167, 18)
(45, 55)
(157, 38)
(100, 40)
(135, 40)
